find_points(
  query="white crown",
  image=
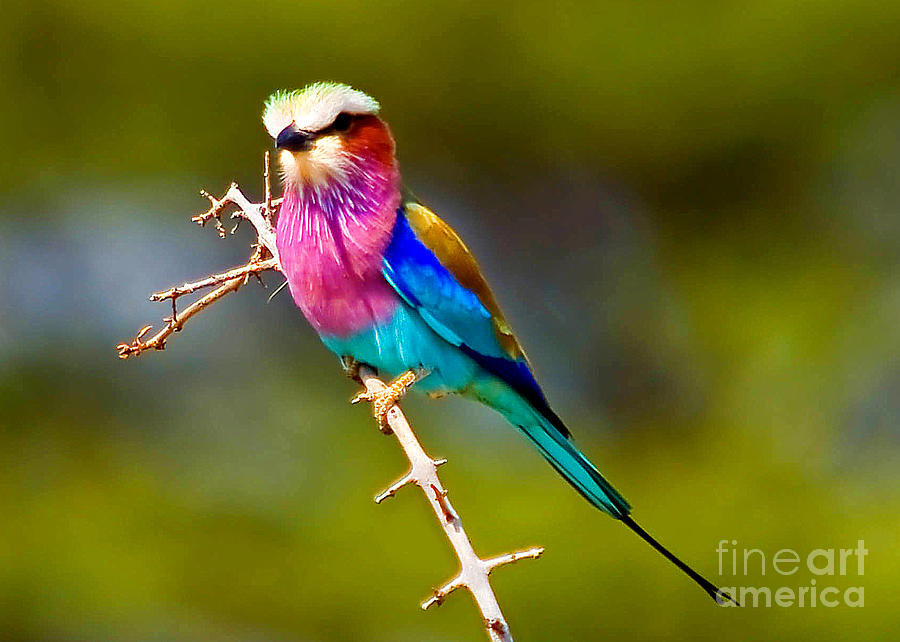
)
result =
(314, 107)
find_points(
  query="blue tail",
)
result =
(575, 468)
(549, 434)
(531, 414)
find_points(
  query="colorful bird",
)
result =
(387, 283)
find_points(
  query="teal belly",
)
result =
(405, 342)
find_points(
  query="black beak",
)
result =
(294, 140)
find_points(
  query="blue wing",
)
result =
(431, 268)
(434, 272)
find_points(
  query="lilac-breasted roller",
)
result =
(387, 283)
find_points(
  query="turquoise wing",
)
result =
(431, 268)
(434, 272)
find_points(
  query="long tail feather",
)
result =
(549, 434)
(720, 596)
(576, 469)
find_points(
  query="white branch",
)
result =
(474, 572)
(256, 215)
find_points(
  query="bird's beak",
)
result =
(293, 139)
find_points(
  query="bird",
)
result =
(388, 284)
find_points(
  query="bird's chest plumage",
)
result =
(331, 248)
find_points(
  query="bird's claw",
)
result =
(384, 399)
(351, 368)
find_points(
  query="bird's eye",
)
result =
(342, 122)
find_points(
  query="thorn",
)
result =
(441, 497)
(509, 558)
(440, 594)
(436, 599)
(393, 488)
(497, 626)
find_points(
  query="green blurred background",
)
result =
(689, 211)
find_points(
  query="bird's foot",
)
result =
(385, 399)
(351, 368)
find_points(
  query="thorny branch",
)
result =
(474, 571)
(263, 258)
(253, 268)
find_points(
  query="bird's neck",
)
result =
(331, 239)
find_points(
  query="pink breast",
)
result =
(331, 250)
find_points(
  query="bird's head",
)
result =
(325, 131)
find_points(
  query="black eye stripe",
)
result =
(342, 123)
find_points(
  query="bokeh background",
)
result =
(689, 211)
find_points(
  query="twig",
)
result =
(474, 571)
(158, 340)
(252, 268)
(263, 259)
(270, 206)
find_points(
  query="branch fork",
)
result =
(474, 571)
(264, 258)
